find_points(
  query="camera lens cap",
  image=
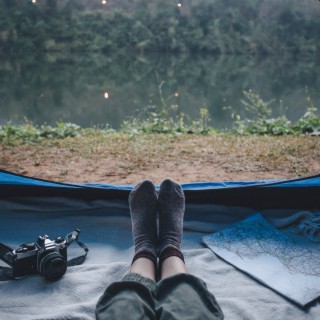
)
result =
(53, 266)
(56, 268)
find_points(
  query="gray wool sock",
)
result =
(143, 210)
(171, 205)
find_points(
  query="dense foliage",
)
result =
(215, 26)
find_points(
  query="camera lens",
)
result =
(53, 266)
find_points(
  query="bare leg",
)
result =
(144, 267)
(172, 266)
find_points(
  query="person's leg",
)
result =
(145, 267)
(184, 296)
(171, 205)
(134, 296)
(171, 266)
(179, 295)
(143, 209)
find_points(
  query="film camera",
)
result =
(45, 256)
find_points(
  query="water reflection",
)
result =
(69, 88)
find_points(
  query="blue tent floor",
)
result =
(29, 207)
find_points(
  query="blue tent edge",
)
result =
(9, 178)
(300, 193)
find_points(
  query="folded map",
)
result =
(257, 248)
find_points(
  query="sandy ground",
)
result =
(191, 159)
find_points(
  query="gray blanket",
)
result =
(106, 229)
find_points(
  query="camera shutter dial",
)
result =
(59, 240)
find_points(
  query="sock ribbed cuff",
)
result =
(170, 252)
(145, 254)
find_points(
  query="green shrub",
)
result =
(28, 132)
(261, 125)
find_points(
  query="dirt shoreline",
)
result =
(121, 160)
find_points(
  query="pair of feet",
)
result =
(145, 206)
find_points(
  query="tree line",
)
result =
(257, 27)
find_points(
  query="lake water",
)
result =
(99, 90)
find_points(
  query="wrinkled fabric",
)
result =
(182, 296)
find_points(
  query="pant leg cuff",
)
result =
(149, 283)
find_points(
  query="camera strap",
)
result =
(6, 273)
(71, 237)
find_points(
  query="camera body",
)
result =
(45, 256)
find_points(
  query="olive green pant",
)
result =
(182, 296)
